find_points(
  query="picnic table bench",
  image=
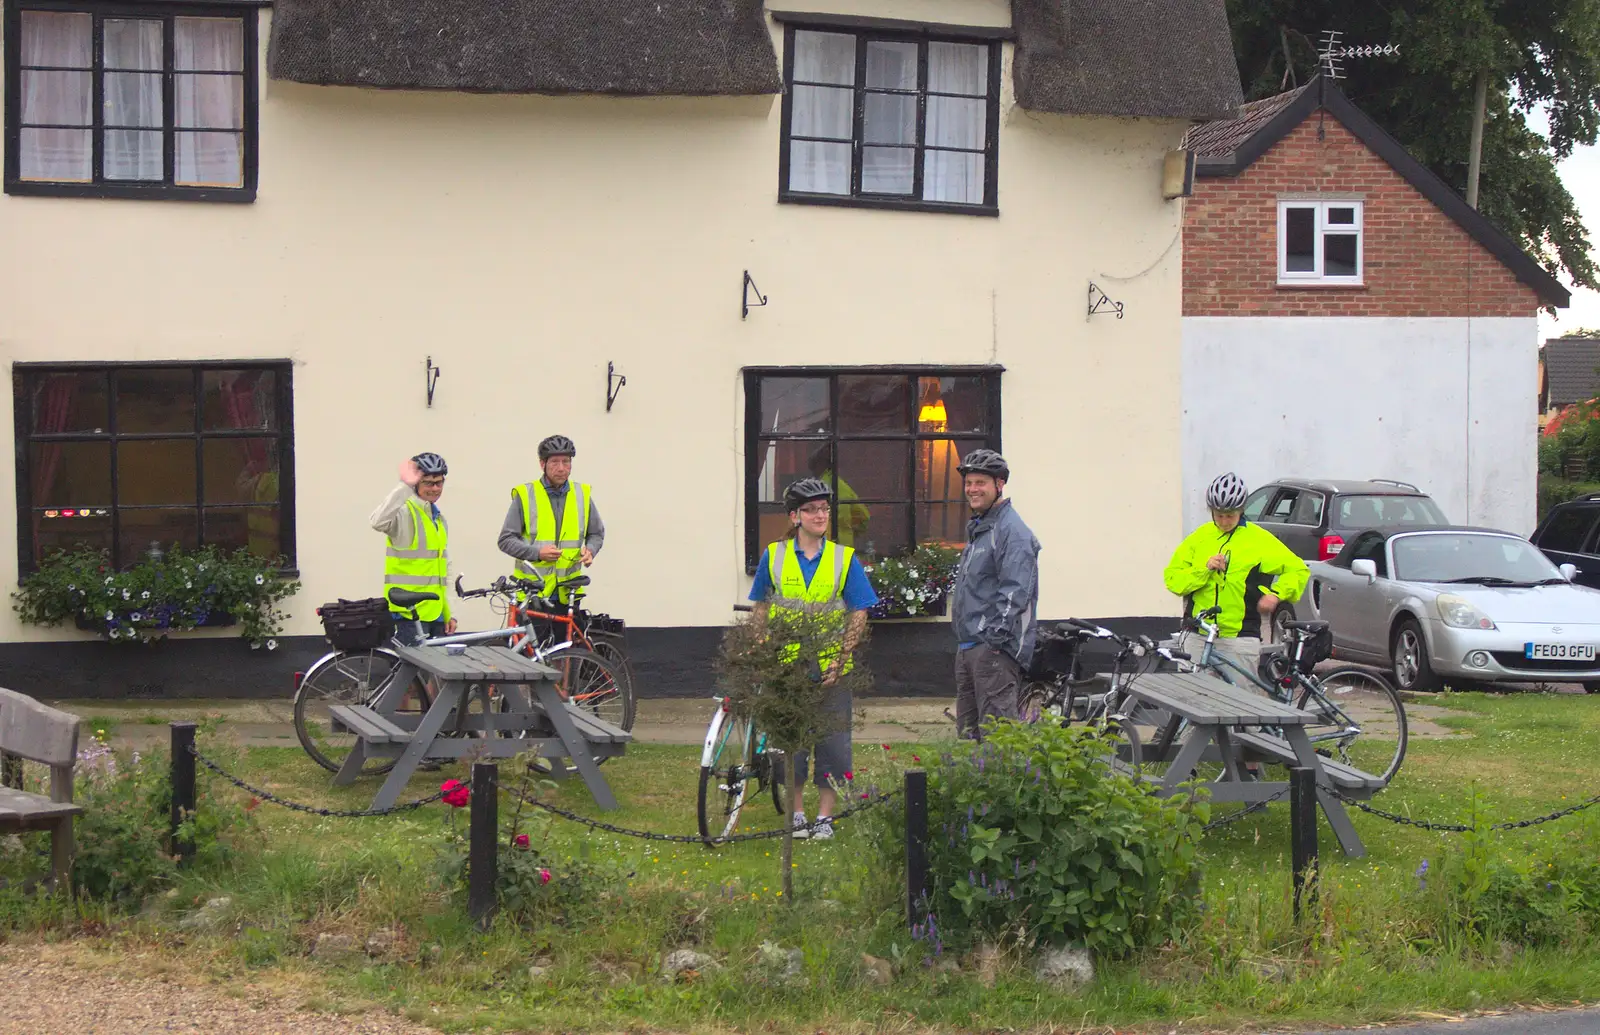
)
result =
(1232, 725)
(532, 717)
(41, 734)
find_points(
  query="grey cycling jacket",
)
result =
(996, 596)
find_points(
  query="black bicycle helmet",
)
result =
(431, 464)
(985, 461)
(557, 445)
(1227, 492)
(804, 491)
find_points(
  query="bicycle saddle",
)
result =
(409, 597)
(1310, 627)
(574, 581)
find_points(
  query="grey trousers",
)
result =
(988, 685)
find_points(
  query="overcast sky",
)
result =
(1581, 174)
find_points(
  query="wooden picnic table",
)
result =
(533, 718)
(1224, 723)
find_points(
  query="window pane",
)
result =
(240, 399)
(209, 101)
(794, 405)
(772, 524)
(953, 176)
(142, 529)
(1300, 240)
(958, 68)
(874, 470)
(819, 168)
(70, 474)
(887, 170)
(891, 66)
(824, 57)
(821, 111)
(874, 402)
(943, 522)
(133, 154)
(133, 99)
(780, 464)
(1339, 255)
(937, 471)
(69, 402)
(241, 470)
(886, 530)
(956, 122)
(56, 38)
(58, 155)
(1568, 529)
(132, 44)
(889, 118)
(57, 98)
(208, 45)
(155, 400)
(209, 160)
(60, 530)
(255, 528)
(953, 404)
(159, 471)
(1341, 215)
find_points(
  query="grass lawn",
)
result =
(1372, 950)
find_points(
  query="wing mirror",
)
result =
(1366, 568)
(1569, 572)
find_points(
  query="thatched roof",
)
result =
(1169, 58)
(1221, 139)
(634, 47)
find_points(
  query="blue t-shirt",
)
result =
(858, 593)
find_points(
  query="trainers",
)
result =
(801, 830)
(823, 831)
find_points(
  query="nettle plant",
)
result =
(914, 584)
(179, 590)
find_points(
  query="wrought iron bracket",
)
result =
(613, 390)
(1100, 302)
(432, 376)
(745, 305)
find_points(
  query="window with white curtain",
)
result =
(888, 119)
(131, 100)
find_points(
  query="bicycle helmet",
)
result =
(1227, 492)
(985, 461)
(431, 464)
(557, 445)
(804, 491)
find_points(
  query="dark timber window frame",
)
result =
(754, 437)
(23, 376)
(165, 189)
(871, 30)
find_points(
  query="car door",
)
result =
(1353, 608)
(1275, 515)
(1300, 530)
(1567, 537)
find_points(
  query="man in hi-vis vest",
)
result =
(417, 557)
(552, 528)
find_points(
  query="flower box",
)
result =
(888, 610)
(213, 620)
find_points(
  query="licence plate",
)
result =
(1558, 651)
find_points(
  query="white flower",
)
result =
(110, 615)
(108, 579)
(71, 588)
(136, 616)
(260, 580)
(127, 595)
(272, 645)
(145, 595)
(113, 634)
(188, 585)
(199, 567)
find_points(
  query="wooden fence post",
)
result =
(483, 843)
(916, 795)
(1303, 835)
(183, 795)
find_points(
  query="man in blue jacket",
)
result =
(995, 602)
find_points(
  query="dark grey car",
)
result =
(1315, 517)
(1570, 534)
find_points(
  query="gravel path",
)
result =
(41, 994)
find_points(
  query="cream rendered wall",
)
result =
(523, 242)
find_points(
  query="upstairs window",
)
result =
(1319, 242)
(889, 120)
(131, 100)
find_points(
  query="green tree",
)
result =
(1543, 54)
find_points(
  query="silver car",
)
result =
(1459, 603)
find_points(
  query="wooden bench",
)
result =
(32, 731)
(1347, 778)
(367, 724)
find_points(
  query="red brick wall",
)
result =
(1418, 261)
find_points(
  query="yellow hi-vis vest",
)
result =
(539, 528)
(261, 523)
(824, 596)
(421, 565)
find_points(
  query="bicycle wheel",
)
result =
(344, 677)
(611, 648)
(727, 765)
(1367, 701)
(591, 682)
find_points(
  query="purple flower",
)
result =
(1422, 871)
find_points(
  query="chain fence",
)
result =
(313, 810)
(1234, 817)
(1465, 828)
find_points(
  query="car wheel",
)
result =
(1413, 671)
(1280, 618)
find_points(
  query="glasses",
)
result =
(816, 508)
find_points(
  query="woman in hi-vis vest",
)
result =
(802, 571)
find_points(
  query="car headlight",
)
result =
(1460, 613)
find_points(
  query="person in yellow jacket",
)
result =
(417, 557)
(1239, 567)
(553, 529)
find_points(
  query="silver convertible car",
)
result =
(1469, 604)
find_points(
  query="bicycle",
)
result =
(734, 754)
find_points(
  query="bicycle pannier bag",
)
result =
(1317, 648)
(357, 624)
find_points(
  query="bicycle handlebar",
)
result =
(1138, 646)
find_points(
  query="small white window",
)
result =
(1319, 242)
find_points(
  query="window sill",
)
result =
(130, 192)
(852, 201)
(1352, 285)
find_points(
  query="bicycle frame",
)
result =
(1217, 663)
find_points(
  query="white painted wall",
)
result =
(1449, 405)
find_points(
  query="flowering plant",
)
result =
(917, 583)
(456, 793)
(177, 590)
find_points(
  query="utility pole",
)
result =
(1475, 160)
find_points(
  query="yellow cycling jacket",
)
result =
(1257, 563)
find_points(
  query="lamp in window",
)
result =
(933, 413)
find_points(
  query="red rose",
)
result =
(456, 793)
(544, 876)
(521, 840)
(885, 747)
(914, 758)
(849, 775)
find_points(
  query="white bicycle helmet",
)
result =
(1227, 492)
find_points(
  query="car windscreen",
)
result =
(1470, 557)
(1362, 512)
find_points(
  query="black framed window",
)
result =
(890, 119)
(132, 100)
(888, 440)
(128, 456)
